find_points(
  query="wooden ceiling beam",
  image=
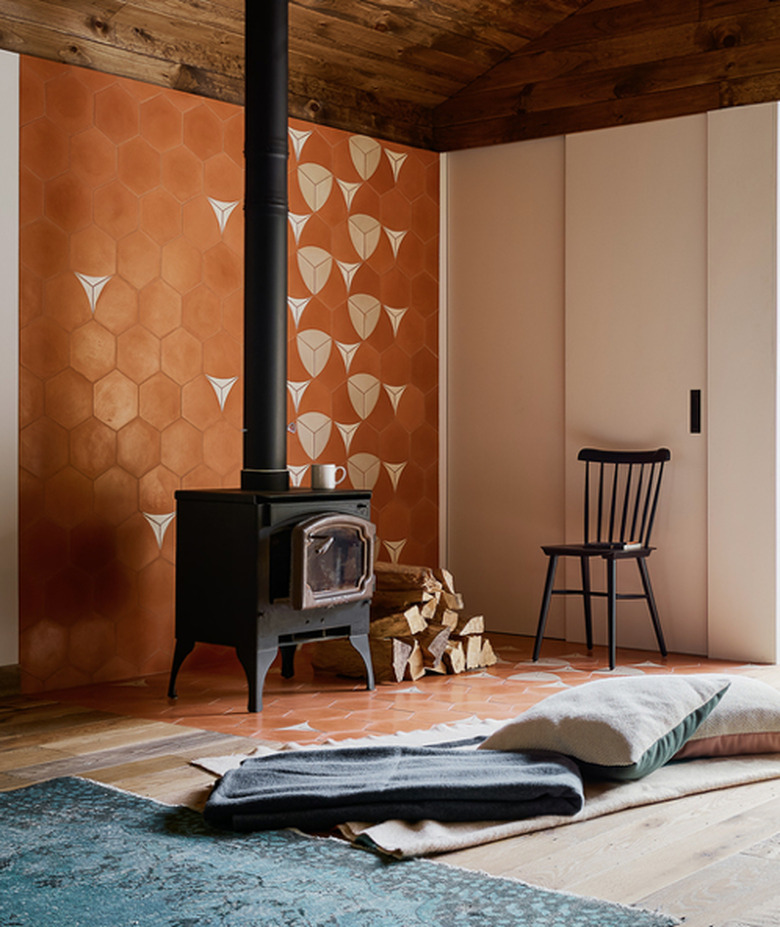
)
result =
(614, 69)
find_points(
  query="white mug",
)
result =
(326, 476)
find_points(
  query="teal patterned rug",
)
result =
(77, 854)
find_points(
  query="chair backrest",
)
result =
(621, 494)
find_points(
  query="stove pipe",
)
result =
(265, 246)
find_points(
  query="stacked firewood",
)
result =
(418, 626)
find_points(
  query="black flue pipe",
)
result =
(265, 246)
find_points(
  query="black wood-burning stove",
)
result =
(264, 568)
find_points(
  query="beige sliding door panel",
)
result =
(505, 382)
(635, 346)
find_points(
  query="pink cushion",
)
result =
(746, 720)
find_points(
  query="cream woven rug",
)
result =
(402, 839)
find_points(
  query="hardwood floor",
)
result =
(713, 859)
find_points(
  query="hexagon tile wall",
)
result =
(131, 348)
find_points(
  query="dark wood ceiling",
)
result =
(435, 74)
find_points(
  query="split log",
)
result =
(415, 667)
(447, 617)
(488, 657)
(473, 651)
(388, 655)
(454, 657)
(399, 624)
(433, 640)
(446, 579)
(466, 626)
(401, 576)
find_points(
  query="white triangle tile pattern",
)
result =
(366, 309)
(222, 387)
(93, 287)
(159, 524)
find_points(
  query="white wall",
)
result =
(743, 433)
(636, 336)
(505, 381)
(9, 357)
(649, 248)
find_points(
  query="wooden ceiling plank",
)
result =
(394, 80)
(567, 120)
(569, 73)
(383, 50)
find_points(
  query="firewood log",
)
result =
(473, 651)
(454, 657)
(466, 626)
(398, 624)
(433, 640)
(401, 576)
(389, 657)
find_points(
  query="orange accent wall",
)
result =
(131, 248)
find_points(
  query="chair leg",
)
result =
(611, 611)
(548, 588)
(659, 634)
(585, 571)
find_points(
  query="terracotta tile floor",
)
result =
(312, 707)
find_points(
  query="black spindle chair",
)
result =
(621, 498)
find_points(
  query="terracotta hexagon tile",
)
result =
(138, 259)
(200, 223)
(44, 347)
(91, 642)
(68, 595)
(116, 590)
(65, 301)
(181, 447)
(92, 448)
(182, 356)
(223, 179)
(68, 202)
(116, 399)
(159, 400)
(222, 270)
(222, 356)
(43, 247)
(156, 489)
(201, 312)
(68, 497)
(93, 252)
(92, 350)
(117, 309)
(92, 545)
(43, 546)
(182, 174)
(200, 404)
(31, 92)
(30, 497)
(138, 353)
(138, 447)
(68, 102)
(44, 148)
(116, 209)
(30, 296)
(161, 123)
(30, 397)
(30, 196)
(181, 264)
(234, 137)
(116, 113)
(43, 649)
(138, 165)
(202, 477)
(43, 448)
(202, 132)
(93, 156)
(155, 587)
(233, 314)
(161, 216)
(115, 496)
(68, 398)
(159, 307)
(222, 447)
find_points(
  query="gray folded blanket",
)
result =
(318, 789)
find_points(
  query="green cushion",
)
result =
(621, 728)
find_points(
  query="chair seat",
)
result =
(595, 550)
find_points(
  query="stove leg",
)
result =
(288, 658)
(183, 648)
(256, 662)
(360, 643)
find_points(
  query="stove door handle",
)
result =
(326, 541)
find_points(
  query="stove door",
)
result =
(332, 560)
